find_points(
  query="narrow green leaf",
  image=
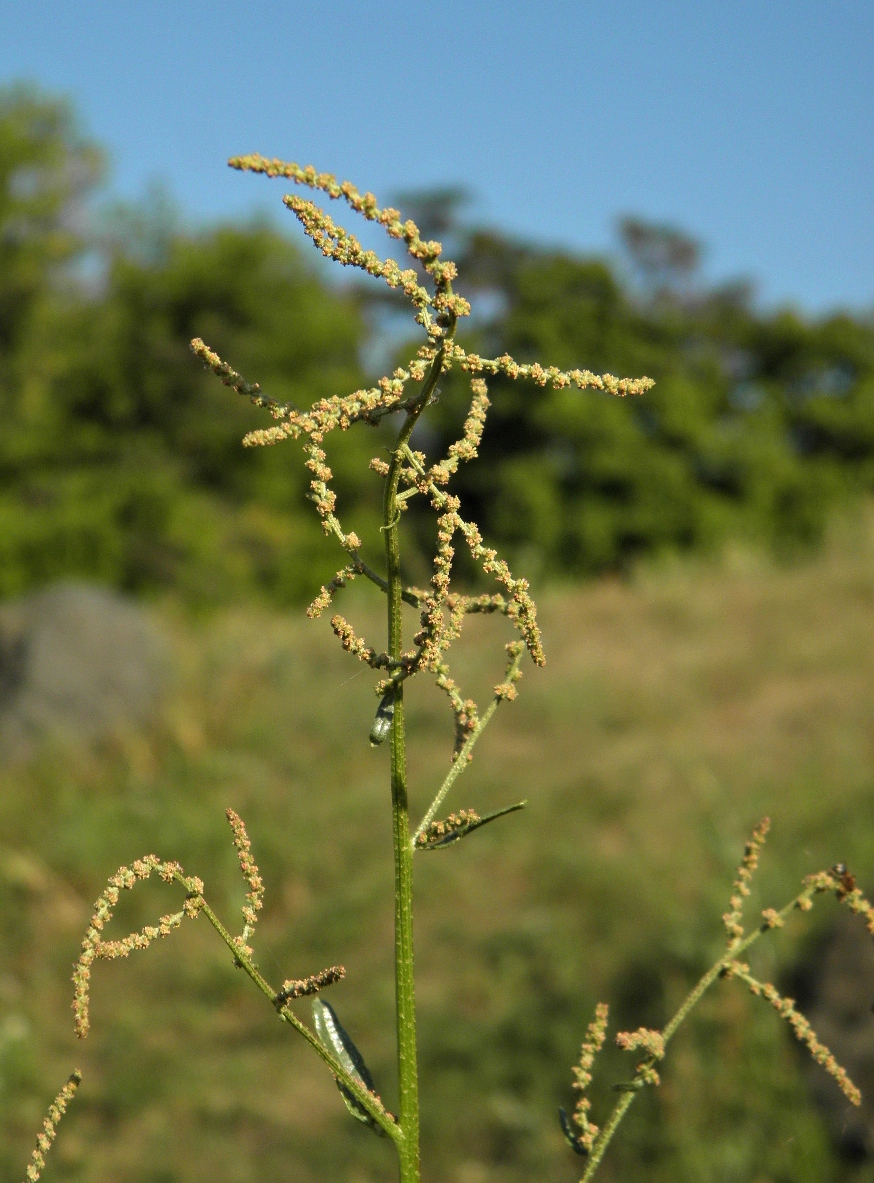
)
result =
(458, 825)
(573, 1139)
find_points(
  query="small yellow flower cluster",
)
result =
(471, 435)
(46, 1137)
(455, 824)
(336, 243)
(785, 1008)
(94, 947)
(428, 287)
(255, 894)
(771, 918)
(304, 987)
(472, 363)
(465, 710)
(741, 890)
(326, 595)
(427, 254)
(649, 1041)
(433, 638)
(596, 1033)
(355, 645)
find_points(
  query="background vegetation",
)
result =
(120, 458)
(680, 702)
(673, 710)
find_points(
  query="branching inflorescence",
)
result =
(442, 610)
(95, 948)
(591, 1142)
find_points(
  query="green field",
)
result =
(677, 707)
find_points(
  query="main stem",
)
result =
(405, 997)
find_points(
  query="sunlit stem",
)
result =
(405, 1000)
(367, 1101)
(463, 757)
(689, 1002)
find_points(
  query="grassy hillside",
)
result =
(675, 710)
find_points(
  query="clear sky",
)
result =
(749, 125)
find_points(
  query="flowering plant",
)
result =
(441, 612)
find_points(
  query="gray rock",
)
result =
(76, 662)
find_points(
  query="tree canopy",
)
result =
(120, 458)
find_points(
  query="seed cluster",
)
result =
(455, 825)
(785, 1008)
(596, 1033)
(303, 987)
(427, 285)
(741, 889)
(255, 894)
(472, 363)
(649, 1041)
(46, 1137)
(93, 945)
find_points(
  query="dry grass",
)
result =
(674, 711)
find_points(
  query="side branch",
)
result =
(549, 375)
(94, 947)
(372, 1104)
(425, 252)
(46, 1137)
(729, 966)
(506, 690)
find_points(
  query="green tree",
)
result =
(758, 426)
(119, 461)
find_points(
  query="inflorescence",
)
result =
(437, 309)
(583, 1135)
(255, 894)
(46, 1136)
(95, 947)
(596, 1033)
(428, 287)
(741, 888)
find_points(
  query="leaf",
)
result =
(334, 1037)
(572, 1138)
(458, 826)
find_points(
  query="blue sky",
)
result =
(750, 125)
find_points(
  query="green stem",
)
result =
(373, 1106)
(408, 595)
(405, 999)
(689, 1002)
(463, 757)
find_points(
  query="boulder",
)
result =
(76, 662)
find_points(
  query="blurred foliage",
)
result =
(676, 709)
(759, 423)
(121, 460)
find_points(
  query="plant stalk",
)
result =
(691, 1000)
(405, 998)
(373, 1105)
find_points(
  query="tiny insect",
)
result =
(845, 877)
(385, 712)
